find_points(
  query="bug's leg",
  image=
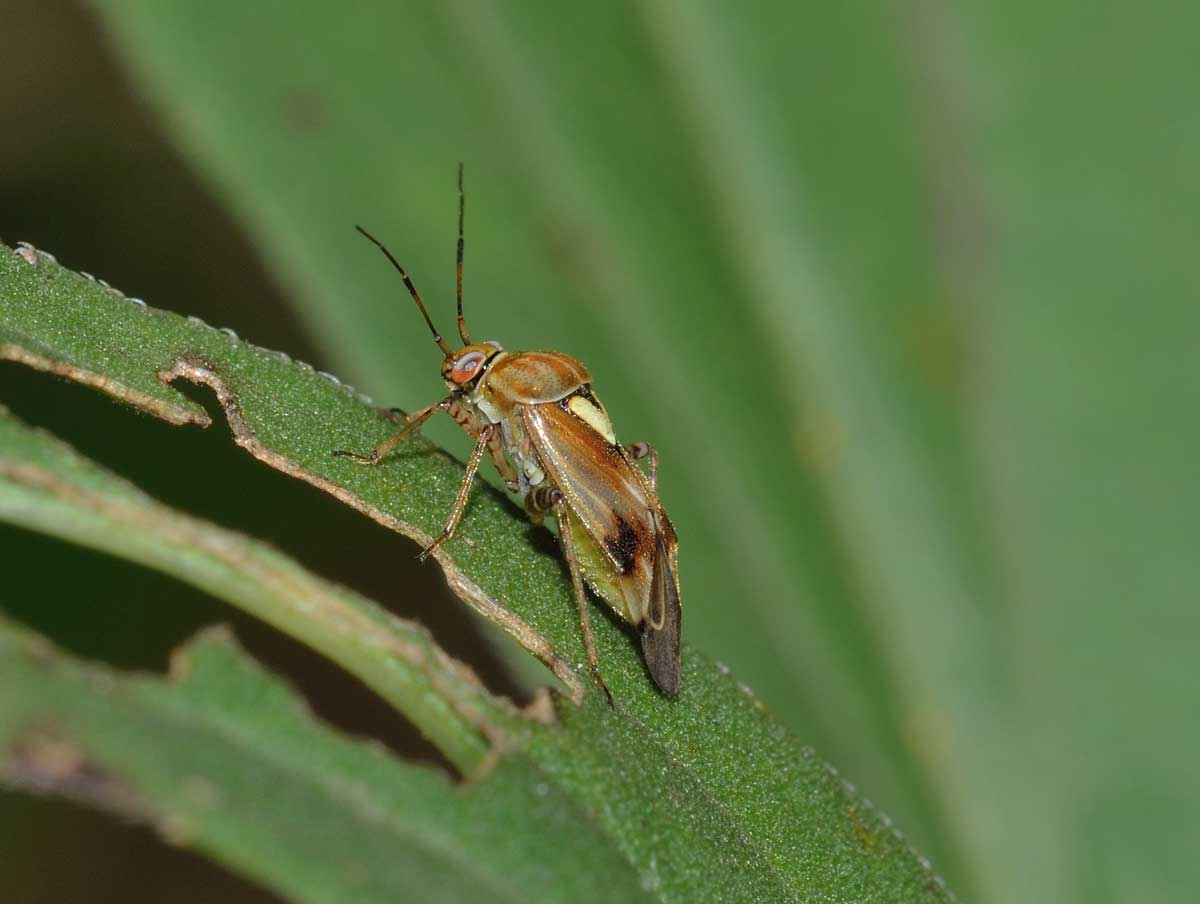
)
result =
(376, 455)
(464, 492)
(504, 468)
(559, 504)
(645, 450)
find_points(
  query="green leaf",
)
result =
(705, 795)
(904, 294)
(225, 759)
(595, 226)
(45, 485)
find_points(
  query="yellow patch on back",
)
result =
(593, 416)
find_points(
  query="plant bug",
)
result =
(536, 417)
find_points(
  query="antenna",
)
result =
(462, 324)
(412, 290)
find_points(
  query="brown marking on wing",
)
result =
(622, 544)
(608, 496)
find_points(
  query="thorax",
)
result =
(524, 378)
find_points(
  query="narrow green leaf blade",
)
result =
(46, 486)
(225, 759)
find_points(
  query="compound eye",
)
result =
(467, 367)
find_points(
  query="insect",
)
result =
(534, 414)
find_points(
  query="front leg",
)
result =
(505, 469)
(645, 450)
(464, 492)
(376, 455)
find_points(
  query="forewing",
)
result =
(604, 491)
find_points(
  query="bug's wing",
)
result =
(660, 631)
(607, 497)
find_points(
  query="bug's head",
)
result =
(462, 369)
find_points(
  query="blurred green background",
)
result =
(904, 294)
